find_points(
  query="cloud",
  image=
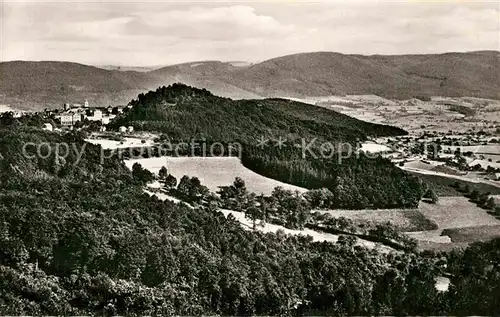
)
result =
(219, 24)
(156, 33)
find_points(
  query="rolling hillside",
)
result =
(37, 85)
(84, 239)
(451, 74)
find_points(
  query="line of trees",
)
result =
(482, 199)
(293, 210)
(287, 208)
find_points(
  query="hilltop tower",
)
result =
(86, 105)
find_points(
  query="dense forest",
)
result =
(357, 182)
(80, 237)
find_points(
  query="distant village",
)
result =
(76, 115)
(474, 154)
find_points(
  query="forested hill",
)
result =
(183, 112)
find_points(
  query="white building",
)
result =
(69, 119)
(122, 129)
(86, 105)
(77, 117)
(130, 129)
(96, 116)
(18, 113)
(47, 127)
(66, 119)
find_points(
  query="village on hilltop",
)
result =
(77, 115)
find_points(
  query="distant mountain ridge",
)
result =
(36, 85)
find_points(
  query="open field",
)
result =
(493, 157)
(126, 143)
(440, 114)
(457, 212)
(460, 223)
(419, 164)
(374, 148)
(163, 196)
(484, 163)
(213, 172)
(441, 184)
(430, 236)
(464, 221)
(6, 108)
(473, 234)
(479, 149)
(405, 219)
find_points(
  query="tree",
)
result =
(431, 196)
(319, 198)
(482, 199)
(94, 126)
(292, 207)
(264, 206)
(197, 192)
(170, 181)
(7, 118)
(466, 189)
(490, 203)
(235, 196)
(192, 190)
(163, 173)
(347, 241)
(240, 188)
(141, 174)
(474, 195)
(497, 210)
(253, 213)
(184, 185)
(456, 185)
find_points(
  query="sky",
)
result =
(153, 33)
